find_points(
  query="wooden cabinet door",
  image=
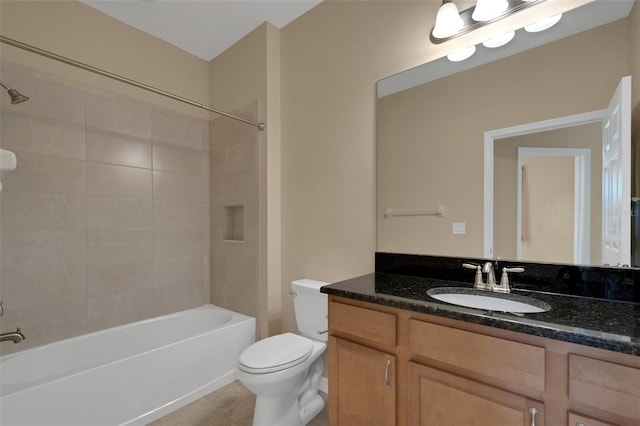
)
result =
(605, 389)
(362, 385)
(579, 420)
(437, 398)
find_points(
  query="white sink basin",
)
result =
(482, 299)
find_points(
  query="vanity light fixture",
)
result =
(499, 40)
(543, 24)
(487, 10)
(448, 20)
(451, 24)
(462, 54)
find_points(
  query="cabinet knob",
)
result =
(579, 424)
(533, 411)
(386, 374)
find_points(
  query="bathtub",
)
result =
(127, 375)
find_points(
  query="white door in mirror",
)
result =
(616, 178)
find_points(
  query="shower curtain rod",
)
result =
(117, 77)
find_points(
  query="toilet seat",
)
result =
(275, 353)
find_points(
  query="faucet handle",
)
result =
(504, 286)
(477, 282)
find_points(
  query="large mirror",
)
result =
(433, 125)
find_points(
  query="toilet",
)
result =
(284, 371)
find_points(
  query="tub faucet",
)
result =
(16, 336)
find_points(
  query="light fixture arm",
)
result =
(470, 24)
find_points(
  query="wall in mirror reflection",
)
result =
(430, 137)
(547, 192)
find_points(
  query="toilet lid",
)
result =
(275, 353)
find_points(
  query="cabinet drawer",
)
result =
(374, 326)
(606, 386)
(501, 359)
(578, 420)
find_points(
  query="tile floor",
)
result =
(231, 405)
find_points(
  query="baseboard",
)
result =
(324, 385)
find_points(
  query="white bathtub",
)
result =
(127, 375)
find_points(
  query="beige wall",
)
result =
(431, 137)
(588, 136)
(331, 58)
(72, 29)
(547, 203)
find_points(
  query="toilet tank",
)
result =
(311, 308)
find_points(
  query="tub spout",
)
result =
(16, 336)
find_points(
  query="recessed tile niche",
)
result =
(234, 228)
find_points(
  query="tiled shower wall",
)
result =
(235, 213)
(106, 218)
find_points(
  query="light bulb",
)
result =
(486, 10)
(448, 21)
(462, 54)
(543, 24)
(499, 40)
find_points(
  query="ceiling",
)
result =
(204, 28)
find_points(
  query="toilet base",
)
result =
(282, 411)
(295, 408)
(311, 410)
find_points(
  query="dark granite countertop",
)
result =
(604, 324)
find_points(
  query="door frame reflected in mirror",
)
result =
(575, 232)
(490, 138)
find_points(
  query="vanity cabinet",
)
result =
(365, 383)
(579, 420)
(390, 366)
(493, 369)
(512, 365)
(438, 398)
(362, 366)
(607, 388)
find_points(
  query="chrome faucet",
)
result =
(479, 283)
(16, 336)
(487, 268)
(504, 286)
(490, 284)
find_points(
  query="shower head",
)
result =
(16, 97)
